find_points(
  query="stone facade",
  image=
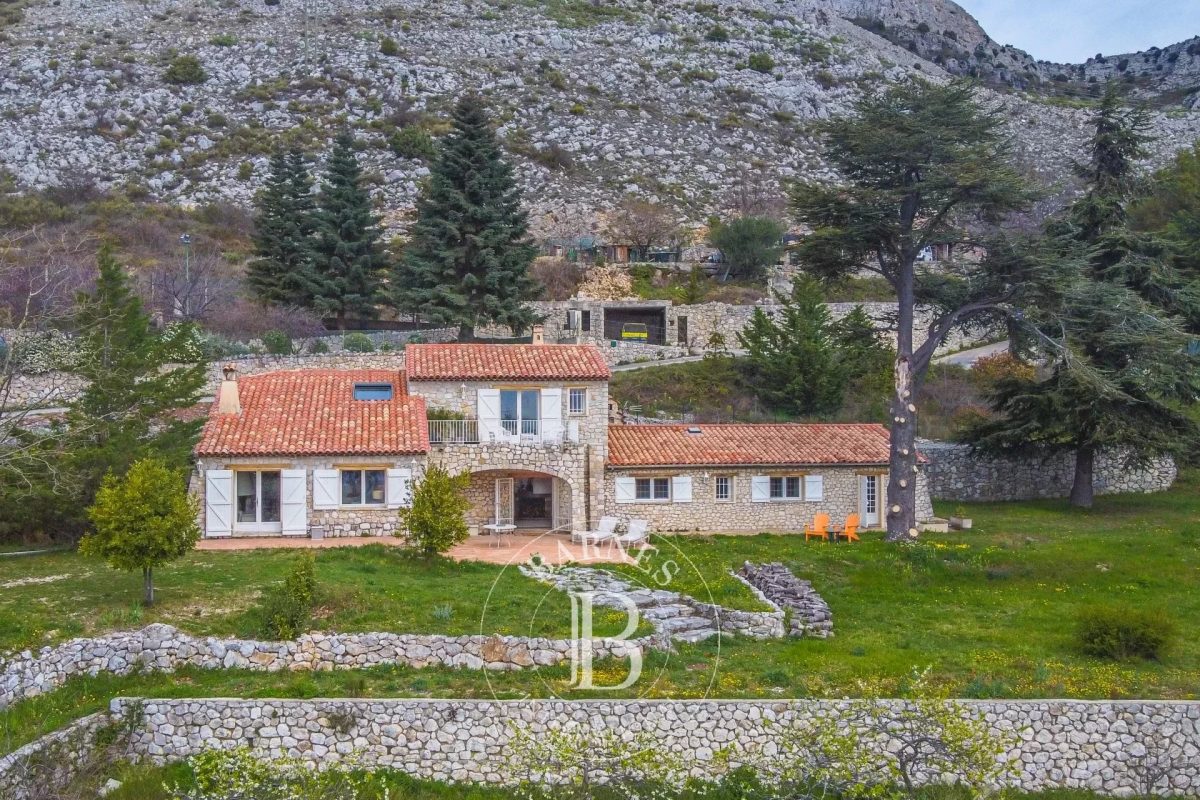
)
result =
(841, 495)
(956, 474)
(1096, 745)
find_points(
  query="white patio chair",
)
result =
(638, 534)
(605, 530)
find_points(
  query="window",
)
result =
(258, 496)
(364, 487)
(585, 320)
(577, 401)
(579, 320)
(786, 488)
(724, 488)
(520, 411)
(652, 489)
(372, 391)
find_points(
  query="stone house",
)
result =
(337, 452)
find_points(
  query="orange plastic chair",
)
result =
(819, 528)
(850, 532)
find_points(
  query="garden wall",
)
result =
(1104, 746)
(954, 473)
(162, 648)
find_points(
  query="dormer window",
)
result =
(372, 391)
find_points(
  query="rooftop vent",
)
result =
(372, 391)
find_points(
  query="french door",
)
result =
(504, 501)
(868, 500)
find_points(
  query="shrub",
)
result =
(223, 40)
(287, 609)
(412, 142)
(388, 47)
(318, 346)
(761, 62)
(278, 343)
(435, 520)
(988, 371)
(717, 34)
(185, 70)
(1122, 633)
(358, 343)
(559, 277)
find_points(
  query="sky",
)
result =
(1071, 31)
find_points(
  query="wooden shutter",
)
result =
(218, 503)
(626, 490)
(488, 411)
(681, 489)
(760, 489)
(294, 501)
(399, 488)
(552, 414)
(326, 489)
(814, 488)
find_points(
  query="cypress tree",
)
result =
(348, 260)
(282, 273)
(468, 257)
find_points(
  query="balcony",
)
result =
(506, 431)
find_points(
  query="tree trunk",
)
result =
(341, 321)
(1082, 492)
(902, 461)
(147, 586)
(466, 332)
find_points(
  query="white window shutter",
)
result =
(681, 489)
(814, 488)
(218, 502)
(760, 489)
(488, 411)
(552, 414)
(626, 490)
(326, 489)
(399, 488)
(294, 505)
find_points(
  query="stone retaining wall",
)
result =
(51, 762)
(954, 473)
(1100, 746)
(162, 648)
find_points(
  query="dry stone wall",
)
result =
(162, 648)
(1098, 745)
(955, 473)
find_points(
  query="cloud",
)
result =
(1071, 31)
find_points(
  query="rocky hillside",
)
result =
(673, 100)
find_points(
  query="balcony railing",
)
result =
(453, 431)
(466, 431)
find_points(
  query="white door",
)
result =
(504, 501)
(868, 500)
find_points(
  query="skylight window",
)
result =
(372, 391)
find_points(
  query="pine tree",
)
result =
(348, 260)
(921, 164)
(135, 384)
(1125, 377)
(793, 358)
(468, 257)
(282, 273)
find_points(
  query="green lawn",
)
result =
(990, 612)
(48, 598)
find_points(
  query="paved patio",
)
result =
(553, 548)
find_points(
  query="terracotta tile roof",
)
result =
(313, 412)
(738, 444)
(477, 362)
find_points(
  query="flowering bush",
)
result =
(238, 774)
(45, 351)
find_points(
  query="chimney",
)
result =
(228, 401)
(539, 334)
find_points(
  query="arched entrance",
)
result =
(531, 500)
